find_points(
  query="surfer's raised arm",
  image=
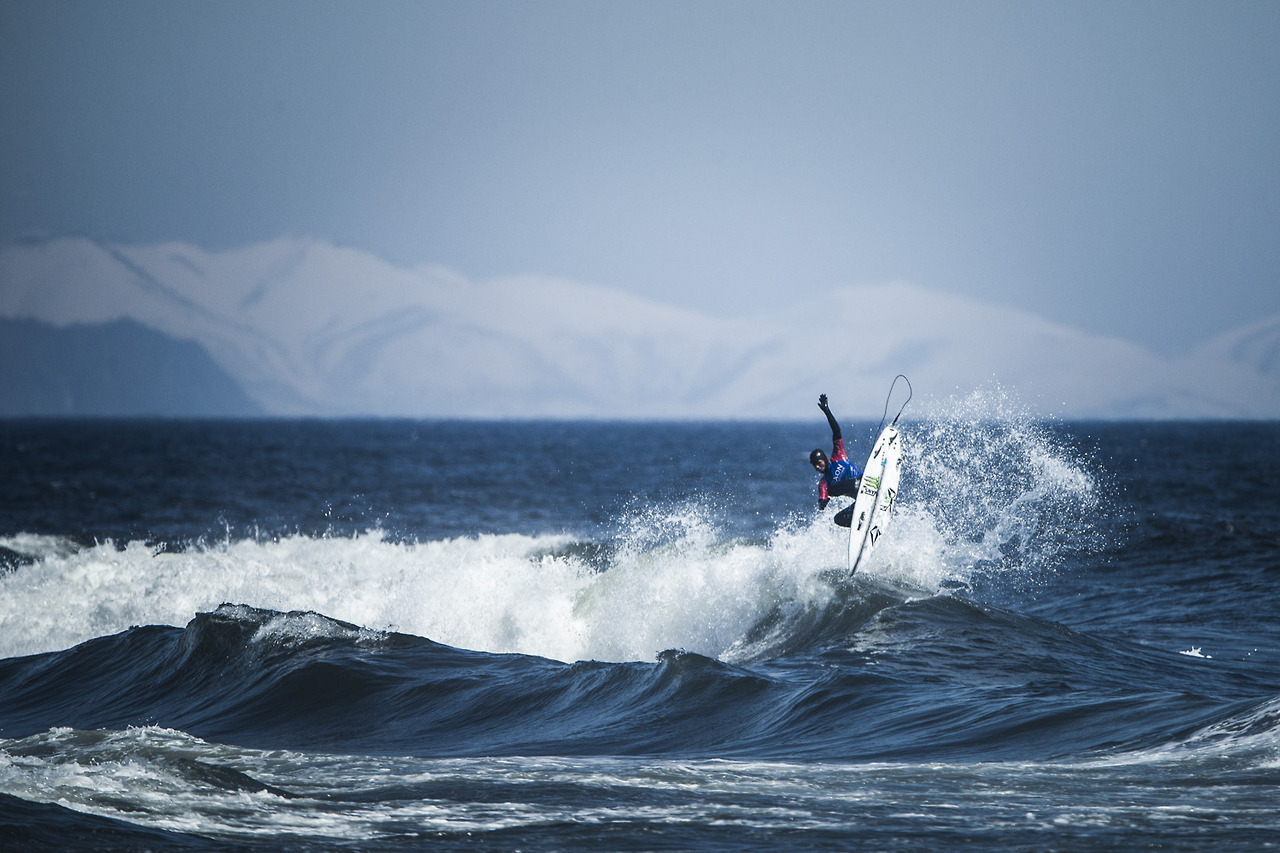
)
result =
(831, 419)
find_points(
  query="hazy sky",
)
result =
(1114, 166)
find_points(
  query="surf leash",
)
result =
(889, 396)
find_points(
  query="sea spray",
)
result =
(988, 489)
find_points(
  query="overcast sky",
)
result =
(1114, 166)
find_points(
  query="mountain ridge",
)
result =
(308, 328)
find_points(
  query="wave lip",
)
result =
(24, 549)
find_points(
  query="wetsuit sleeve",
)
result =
(835, 425)
(837, 453)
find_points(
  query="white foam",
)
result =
(508, 593)
(1248, 739)
(38, 546)
(134, 775)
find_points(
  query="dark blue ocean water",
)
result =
(314, 635)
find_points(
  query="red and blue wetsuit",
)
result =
(842, 477)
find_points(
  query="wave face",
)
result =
(635, 636)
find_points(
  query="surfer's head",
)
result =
(818, 460)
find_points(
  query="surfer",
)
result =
(839, 475)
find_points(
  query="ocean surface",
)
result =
(401, 635)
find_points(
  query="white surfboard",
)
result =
(873, 508)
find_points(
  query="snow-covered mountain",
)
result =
(309, 328)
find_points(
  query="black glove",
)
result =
(822, 402)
